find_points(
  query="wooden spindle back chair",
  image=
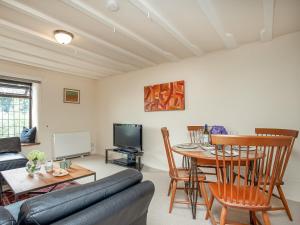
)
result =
(176, 174)
(280, 132)
(261, 166)
(279, 181)
(195, 133)
(171, 162)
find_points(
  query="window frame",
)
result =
(15, 85)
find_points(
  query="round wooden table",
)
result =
(202, 155)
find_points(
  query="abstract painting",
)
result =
(71, 96)
(164, 97)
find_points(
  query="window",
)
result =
(15, 107)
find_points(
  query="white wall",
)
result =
(256, 85)
(53, 114)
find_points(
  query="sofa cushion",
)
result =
(5, 217)
(11, 144)
(12, 160)
(128, 207)
(56, 205)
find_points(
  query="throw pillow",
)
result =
(28, 135)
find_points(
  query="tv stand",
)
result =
(133, 159)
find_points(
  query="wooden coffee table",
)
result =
(20, 182)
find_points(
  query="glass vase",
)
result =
(33, 167)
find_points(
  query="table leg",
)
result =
(106, 156)
(95, 178)
(193, 186)
(1, 190)
(139, 163)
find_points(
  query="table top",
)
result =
(200, 153)
(20, 182)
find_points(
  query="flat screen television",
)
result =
(128, 136)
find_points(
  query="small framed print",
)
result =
(71, 96)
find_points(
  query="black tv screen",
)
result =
(128, 136)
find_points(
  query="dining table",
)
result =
(202, 153)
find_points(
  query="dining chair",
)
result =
(178, 175)
(195, 137)
(279, 182)
(234, 153)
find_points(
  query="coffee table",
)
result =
(20, 182)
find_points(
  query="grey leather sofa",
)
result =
(120, 199)
(10, 154)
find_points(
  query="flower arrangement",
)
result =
(36, 155)
(35, 158)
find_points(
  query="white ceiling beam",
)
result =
(9, 55)
(146, 8)
(65, 67)
(76, 52)
(266, 34)
(37, 14)
(210, 12)
(98, 16)
(32, 50)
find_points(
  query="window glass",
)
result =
(15, 107)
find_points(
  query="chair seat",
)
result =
(237, 197)
(12, 160)
(278, 182)
(206, 163)
(183, 174)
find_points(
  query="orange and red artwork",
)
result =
(164, 97)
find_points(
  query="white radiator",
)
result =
(71, 144)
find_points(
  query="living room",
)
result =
(239, 63)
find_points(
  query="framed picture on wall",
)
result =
(71, 96)
(164, 97)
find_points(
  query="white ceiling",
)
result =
(142, 33)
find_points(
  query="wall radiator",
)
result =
(68, 145)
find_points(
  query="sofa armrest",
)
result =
(129, 207)
(5, 217)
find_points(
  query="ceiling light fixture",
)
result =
(63, 37)
(112, 5)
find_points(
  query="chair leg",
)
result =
(266, 218)
(186, 188)
(209, 206)
(173, 193)
(223, 215)
(203, 190)
(254, 219)
(202, 186)
(199, 190)
(222, 175)
(284, 202)
(170, 187)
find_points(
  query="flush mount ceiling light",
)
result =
(112, 5)
(63, 37)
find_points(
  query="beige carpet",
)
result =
(181, 215)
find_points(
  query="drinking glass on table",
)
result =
(49, 166)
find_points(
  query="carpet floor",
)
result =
(181, 215)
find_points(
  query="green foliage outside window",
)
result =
(15, 110)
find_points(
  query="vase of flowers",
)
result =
(35, 159)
